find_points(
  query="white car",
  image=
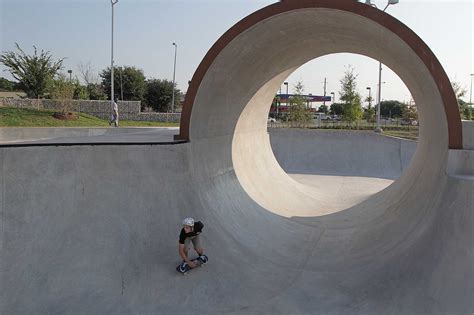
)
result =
(271, 120)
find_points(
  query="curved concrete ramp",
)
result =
(93, 229)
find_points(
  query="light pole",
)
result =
(113, 2)
(121, 84)
(470, 96)
(174, 73)
(379, 91)
(287, 97)
(325, 82)
(370, 97)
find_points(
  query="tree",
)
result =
(464, 109)
(159, 93)
(352, 108)
(7, 85)
(299, 111)
(336, 109)
(33, 72)
(62, 89)
(133, 83)
(323, 109)
(88, 74)
(409, 113)
(392, 109)
(369, 99)
(96, 92)
(80, 91)
(369, 114)
(93, 88)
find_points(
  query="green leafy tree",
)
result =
(8, 86)
(351, 99)
(159, 93)
(96, 92)
(323, 109)
(409, 113)
(33, 72)
(393, 109)
(464, 109)
(369, 114)
(336, 109)
(62, 90)
(468, 113)
(80, 91)
(369, 99)
(127, 80)
(300, 113)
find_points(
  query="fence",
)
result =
(128, 110)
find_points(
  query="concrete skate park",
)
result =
(90, 219)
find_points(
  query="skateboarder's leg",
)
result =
(198, 248)
(197, 245)
(187, 245)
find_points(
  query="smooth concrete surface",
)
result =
(468, 134)
(88, 135)
(342, 192)
(366, 153)
(93, 230)
(405, 250)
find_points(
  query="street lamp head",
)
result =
(285, 83)
(392, 1)
(369, 88)
(368, 2)
(174, 44)
(114, 1)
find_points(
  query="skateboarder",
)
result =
(190, 233)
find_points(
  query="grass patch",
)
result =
(28, 117)
(131, 123)
(406, 134)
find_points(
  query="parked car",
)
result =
(323, 116)
(409, 122)
(271, 120)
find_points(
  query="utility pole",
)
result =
(370, 97)
(324, 100)
(113, 2)
(470, 95)
(121, 85)
(174, 73)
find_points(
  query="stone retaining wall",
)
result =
(128, 110)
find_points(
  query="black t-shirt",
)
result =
(196, 231)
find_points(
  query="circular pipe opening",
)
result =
(235, 84)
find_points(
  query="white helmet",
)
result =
(188, 222)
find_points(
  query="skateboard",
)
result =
(183, 267)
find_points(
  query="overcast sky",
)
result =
(145, 30)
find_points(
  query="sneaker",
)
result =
(183, 266)
(204, 259)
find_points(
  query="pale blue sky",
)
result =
(146, 29)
